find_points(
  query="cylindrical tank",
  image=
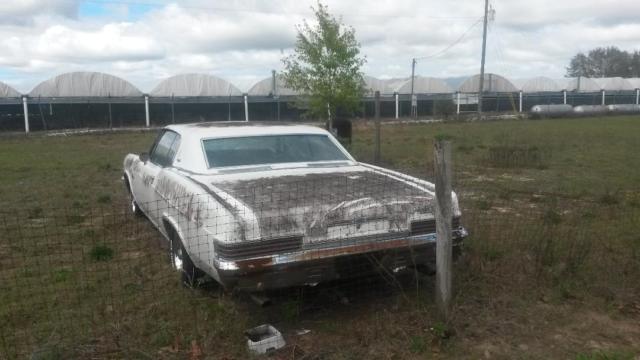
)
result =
(624, 108)
(551, 110)
(590, 109)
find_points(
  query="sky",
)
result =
(145, 41)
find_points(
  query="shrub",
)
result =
(609, 198)
(101, 253)
(104, 199)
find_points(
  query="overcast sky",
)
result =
(145, 41)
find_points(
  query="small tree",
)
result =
(605, 62)
(326, 65)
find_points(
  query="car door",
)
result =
(161, 156)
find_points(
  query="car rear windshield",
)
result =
(271, 149)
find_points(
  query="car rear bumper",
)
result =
(311, 267)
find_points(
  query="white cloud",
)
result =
(22, 12)
(244, 39)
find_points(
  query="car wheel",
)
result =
(135, 209)
(181, 262)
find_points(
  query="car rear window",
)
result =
(271, 149)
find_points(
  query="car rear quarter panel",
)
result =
(198, 217)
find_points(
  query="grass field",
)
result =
(551, 270)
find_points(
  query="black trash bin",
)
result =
(342, 129)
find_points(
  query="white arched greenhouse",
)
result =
(195, 97)
(269, 87)
(493, 83)
(272, 100)
(83, 100)
(99, 100)
(384, 86)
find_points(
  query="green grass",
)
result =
(552, 206)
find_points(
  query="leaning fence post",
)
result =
(376, 154)
(442, 162)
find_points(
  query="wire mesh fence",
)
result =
(103, 282)
(105, 113)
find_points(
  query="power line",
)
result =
(456, 42)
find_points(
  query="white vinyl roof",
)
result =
(424, 85)
(536, 84)
(195, 85)
(635, 82)
(224, 129)
(614, 84)
(581, 84)
(7, 91)
(190, 153)
(95, 84)
(492, 83)
(79, 84)
(373, 84)
(264, 87)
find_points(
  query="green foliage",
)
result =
(48, 352)
(326, 65)
(444, 108)
(605, 355)
(443, 137)
(290, 309)
(104, 199)
(605, 62)
(418, 344)
(609, 198)
(101, 253)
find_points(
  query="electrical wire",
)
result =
(456, 42)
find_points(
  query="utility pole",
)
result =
(414, 103)
(376, 154)
(484, 50)
(413, 73)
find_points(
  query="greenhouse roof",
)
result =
(195, 85)
(614, 83)
(424, 85)
(492, 83)
(635, 82)
(264, 87)
(373, 84)
(581, 84)
(7, 91)
(85, 84)
(536, 84)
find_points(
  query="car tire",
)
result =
(135, 209)
(181, 262)
(133, 205)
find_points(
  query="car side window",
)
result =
(173, 150)
(162, 154)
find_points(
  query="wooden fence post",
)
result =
(442, 163)
(376, 154)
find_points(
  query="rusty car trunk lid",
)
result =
(328, 205)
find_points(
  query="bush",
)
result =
(444, 108)
(101, 253)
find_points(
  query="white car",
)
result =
(260, 207)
